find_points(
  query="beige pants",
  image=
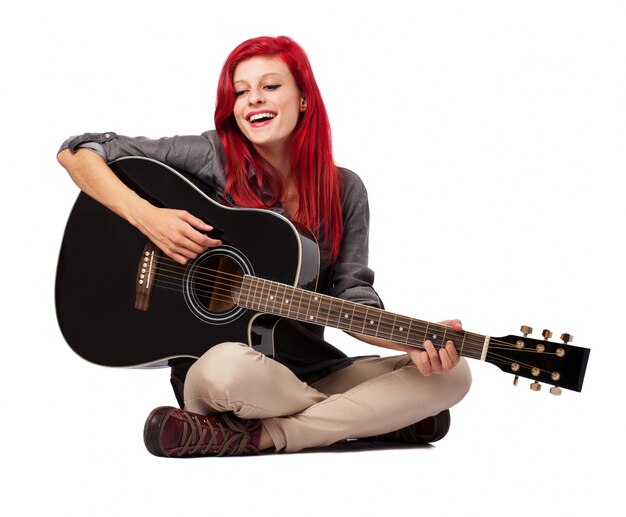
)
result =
(371, 396)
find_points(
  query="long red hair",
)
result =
(315, 174)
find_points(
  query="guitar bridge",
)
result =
(146, 274)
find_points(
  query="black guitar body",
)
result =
(99, 308)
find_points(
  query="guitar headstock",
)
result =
(559, 364)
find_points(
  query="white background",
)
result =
(490, 135)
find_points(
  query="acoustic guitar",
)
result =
(121, 302)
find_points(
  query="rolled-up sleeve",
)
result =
(201, 155)
(351, 278)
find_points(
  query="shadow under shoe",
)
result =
(429, 430)
(173, 432)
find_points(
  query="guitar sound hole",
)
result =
(212, 284)
(217, 282)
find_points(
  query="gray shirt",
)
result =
(348, 278)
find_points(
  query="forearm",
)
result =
(94, 177)
(377, 341)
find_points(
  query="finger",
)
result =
(423, 364)
(181, 259)
(453, 354)
(196, 222)
(200, 240)
(433, 357)
(201, 243)
(444, 355)
(453, 324)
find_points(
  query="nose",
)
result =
(256, 97)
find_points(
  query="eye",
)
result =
(272, 87)
(239, 93)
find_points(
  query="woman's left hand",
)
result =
(430, 361)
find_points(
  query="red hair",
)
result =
(315, 174)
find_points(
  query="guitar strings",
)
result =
(227, 289)
(223, 292)
(413, 341)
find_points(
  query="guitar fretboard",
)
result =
(310, 307)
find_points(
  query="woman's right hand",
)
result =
(179, 234)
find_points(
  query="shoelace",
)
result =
(235, 436)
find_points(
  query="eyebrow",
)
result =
(262, 77)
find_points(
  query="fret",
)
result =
(423, 338)
(334, 315)
(248, 290)
(400, 332)
(309, 313)
(339, 314)
(256, 299)
(313, 311)
(328, 304)
(434, 336)
(363, 331)
(241, 296)
(346, 315)
(263, 295)
(301, 295)
(268, 296)
(277, 300)
(370, 325)
(290, 300)
(358, 318)
(281, 296)
(443, 338)
(385, 330)
(393, 326)
(353, 315)
(408, 332)
(266, 289)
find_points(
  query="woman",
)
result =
(272, 149)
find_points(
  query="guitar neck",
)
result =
(309, 307)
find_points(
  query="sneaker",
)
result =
(428, 430)
(171, 431)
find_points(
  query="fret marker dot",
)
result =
(346, 315)
(271, 297)
(286, 301)
(311, 318)
(316, 298)
(400, 329)
(371, 322)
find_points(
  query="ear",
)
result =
(302, 104)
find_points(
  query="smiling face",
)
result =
(268, 103)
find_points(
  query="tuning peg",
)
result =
(525, 329)
(535, 386)
(555, 390)
(547, 334)
(515, 379)
(567, 338)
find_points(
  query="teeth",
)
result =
(259, 116)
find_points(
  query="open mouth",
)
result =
(265, 116)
